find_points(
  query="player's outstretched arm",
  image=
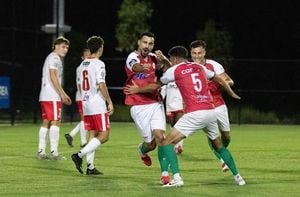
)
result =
(134, 88)
(226, 86)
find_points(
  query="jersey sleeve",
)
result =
(131, 60)
(209, 74)
(54, 62)
(219, 69)
(168, 76)
(78, 75)
(100, 72)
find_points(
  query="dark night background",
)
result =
(265, 39)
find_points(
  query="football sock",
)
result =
(162, 159)
(214, 151)
(91, 146)
(42, 140)
(74, 130)
(82, 133)
(171, 157)
(228, 159)
(144, 148)
(90, 160)
(54, 138)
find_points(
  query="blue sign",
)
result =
(4, 92)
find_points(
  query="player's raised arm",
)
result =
(226, 86)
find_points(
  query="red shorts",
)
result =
(98, 122)
(51, 110)
(79, 107)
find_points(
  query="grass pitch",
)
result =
(267, 157)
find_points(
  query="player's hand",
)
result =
(234, 95)
(110, 109)
(146, 67)
(66, 99)
(131, 89)
(159, 55)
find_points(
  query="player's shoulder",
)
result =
(132, 55)
(213, 62)
(53, 57)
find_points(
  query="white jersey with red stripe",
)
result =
(92, 73)
(141, 79)
(48, 91)
(191, 80)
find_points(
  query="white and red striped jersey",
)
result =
(141, 79)
(191, 80)
(48, 91)
(214, 87)
(92, 72)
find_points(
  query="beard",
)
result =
(145, 52)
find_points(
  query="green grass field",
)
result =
(267, 157)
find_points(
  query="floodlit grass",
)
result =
(267, 157)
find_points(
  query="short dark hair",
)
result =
(147, 33)
(60, 40)
(94, 43)
(178, 51)
(198, 43)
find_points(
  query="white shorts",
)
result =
(222, 118)
(148, 118)
(191, 122)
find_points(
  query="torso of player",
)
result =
(174, 100)
(141, 79)
(48, 92)
(214, 87)
(193, 85)
(92, 73)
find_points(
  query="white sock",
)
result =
(42, 140)
(90, 160)
(91, 146)
(82, 133)
(74, 130)
(165, 173)
(54, 138)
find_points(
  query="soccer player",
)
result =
(51, 96)
(174, 107)
(191, 79)
(147, 110)
(80, 126)
(96, 102)
(198, 52)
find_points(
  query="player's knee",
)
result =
(226, 140)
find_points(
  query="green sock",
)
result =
(228, 159)
(171, 157)
(225, 142)
(162, 159)
(212, 148)
(144, 148)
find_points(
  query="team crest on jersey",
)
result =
(132, 62)
(139, 76)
